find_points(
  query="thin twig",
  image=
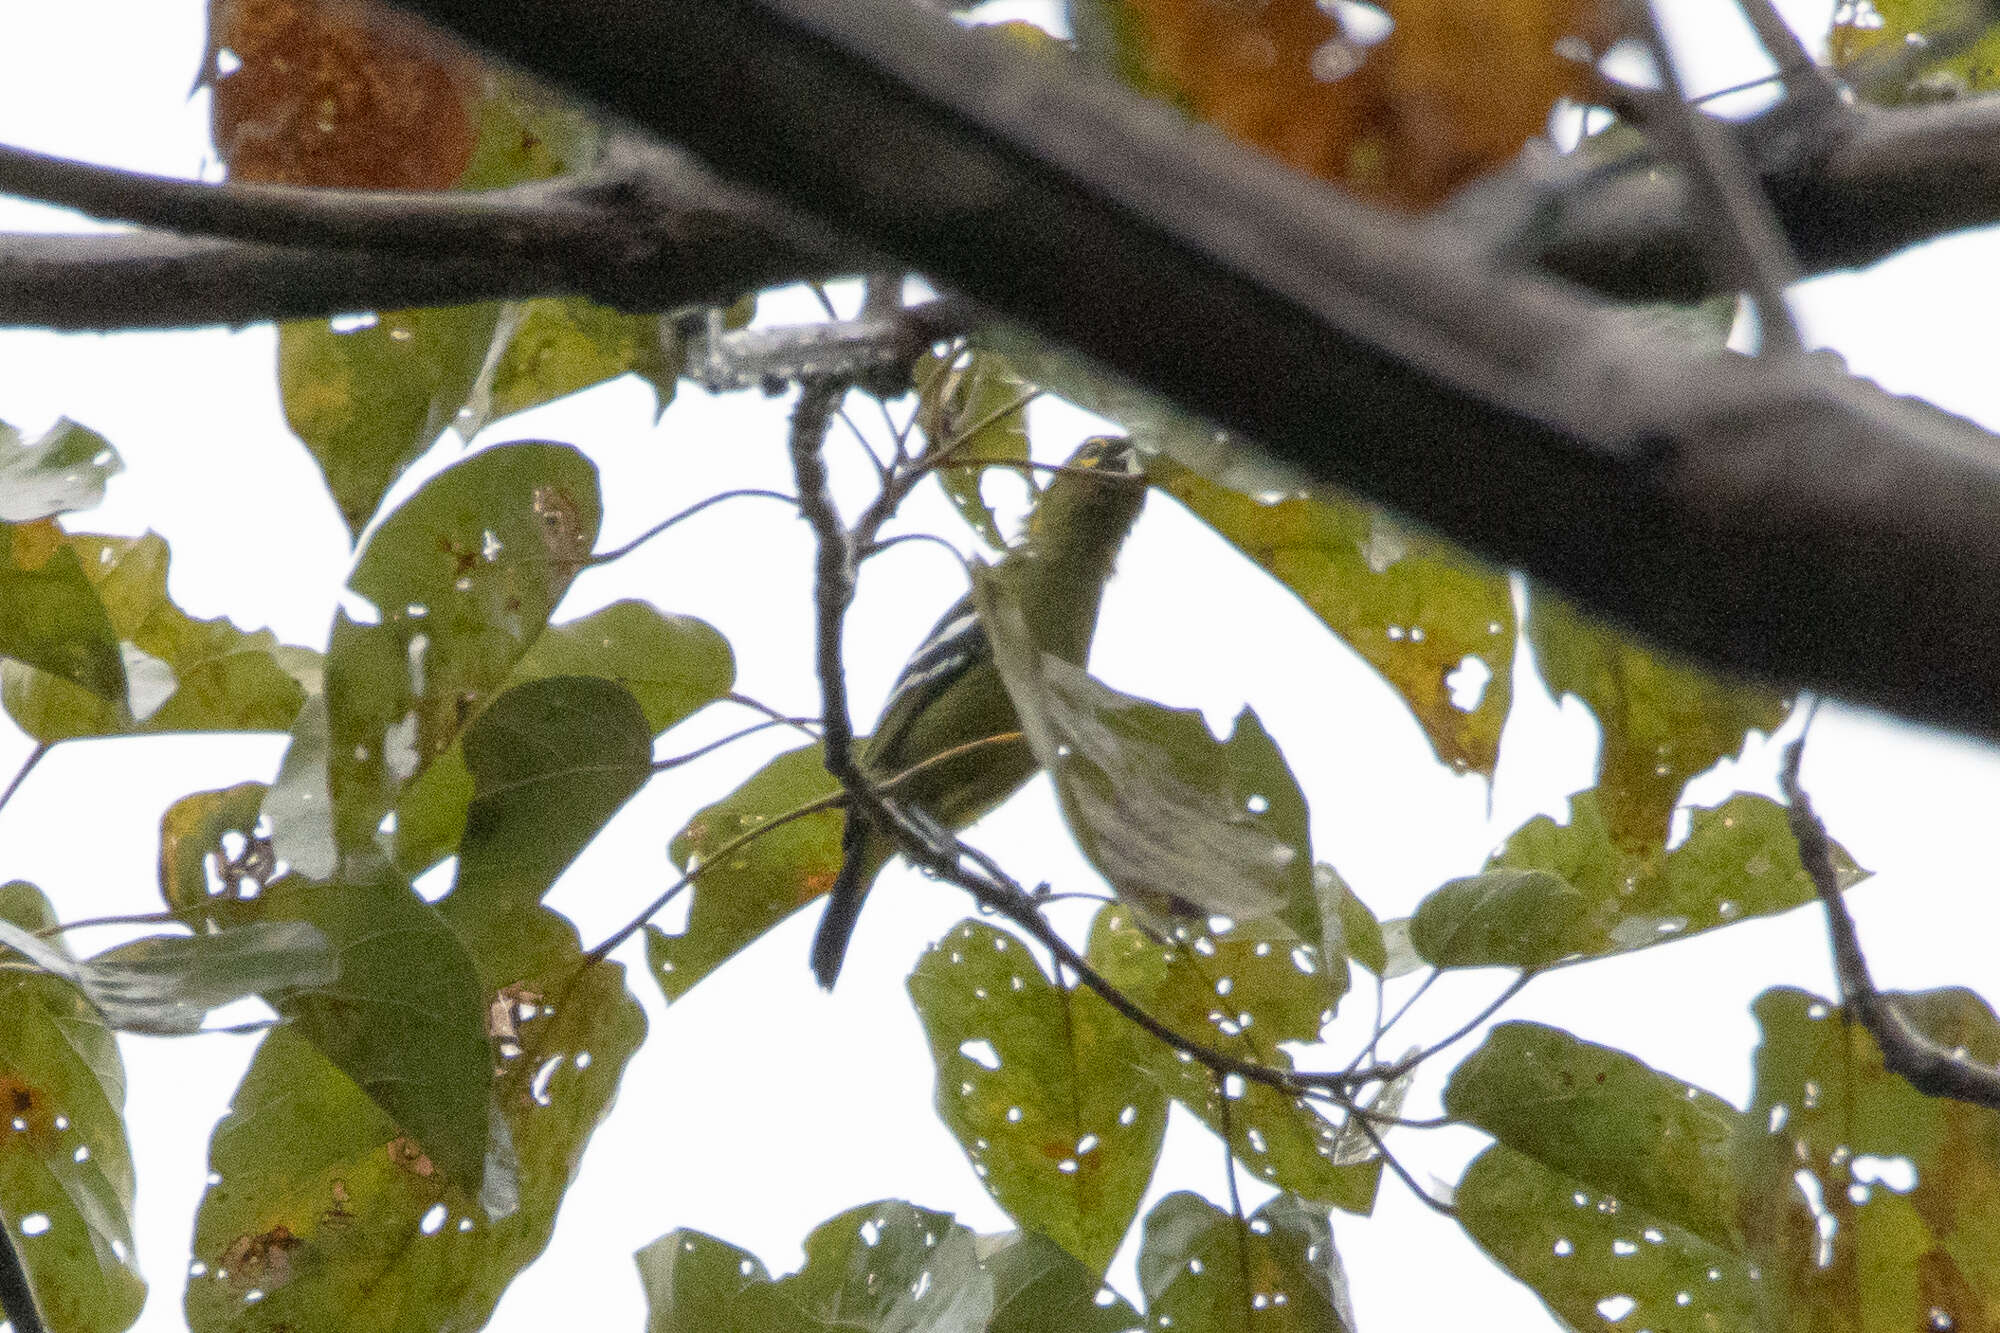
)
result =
(807, 725)
(1929, 1067)
(120, 919)
(748, 492)
(1382, 1028)
(1429, 1200)
(701, 751)
(35, 756)
(1806, 80)
(1748, 241)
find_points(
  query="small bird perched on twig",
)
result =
(950, 692)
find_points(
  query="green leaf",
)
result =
(63, 471)
(1663, 721)
(1158, 805)
(1867, 1205)
(341, 1222)
(462, 579)
(1602, 1117)
(551, 347)
(180, 674)
(743, 892)
(1505, 918)
(368, 395)
(673, 665)
(1202, 1272)
(527, 132)
(1416, 609)
(887, 1267)
(368, 1236)
(51, 618)
(165, 985)
(1247, 991)
(1038, 1286)
(1562, 891)
(405, 1019)
(64, 1158)
(1044, 1088)
(1598, 1260)
(971, 405)
(693, 1282)
(1893, 27)
(1360, 933)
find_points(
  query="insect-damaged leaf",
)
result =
(1248, 991)
(673, 665)
(1596, 1259)
(178, 673)
(1154, 800)
(1194, 1272)
(1867, 1205)
(1417, 610)
(1663, 721)
(885, 1267)
(62, 471)
(461, 580)
(65, 1163)
(693, 1282)
(970, 405)
(328, 1210)
(1044, 1088)
(1038, 1285)
(743, 891)
(1562, 891)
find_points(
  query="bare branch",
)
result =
(1930, 1068)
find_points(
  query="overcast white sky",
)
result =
(759, 1107)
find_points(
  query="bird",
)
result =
(950, 692)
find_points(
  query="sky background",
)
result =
(758, 1106)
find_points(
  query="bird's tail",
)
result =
(843, 902)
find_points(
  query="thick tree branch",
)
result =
(650, 232)
(1783, 520)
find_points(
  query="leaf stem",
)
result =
(35, 756)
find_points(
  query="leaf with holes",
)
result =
(327, 1209)
(1603, 1118)
(65, 1163)
(1663, 721)
(62, 471)
(1566, 891)
(1431, 619)
(1194, 1273)
(164, 985)
(1247, 993)
(1044, 1088)
(887, 1267)
(1867, 1205)
(180, 674)
(201, 878)
(694, 1282)
(52, 622)
(673, 665)
(972, 405)
(743, 891)
(461, 579)
(1160, 807)
(1039, 1286)
(1596, 1259)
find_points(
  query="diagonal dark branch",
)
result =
(1930, 1068)
(1782, 520)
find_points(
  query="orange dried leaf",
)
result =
(1455, 88)
(335, 93)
